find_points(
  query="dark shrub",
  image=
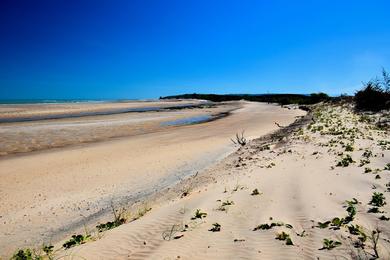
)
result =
(375, 95)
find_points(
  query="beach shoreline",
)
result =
(66, 188)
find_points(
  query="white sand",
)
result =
(301, 189)
(46, 195)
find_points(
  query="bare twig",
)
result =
(240, 139)
(374, 239)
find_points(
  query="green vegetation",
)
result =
(375, 95)
(282, 99)
(227, 203)
(255, 192)
(329, 244)
(377, 200)
(351, 209)
(26, 254)
(323, 224)
(216, 228)
(337, 223)
(273, 224)
(268, 226)
(223, 206)
(364, 162)
(48, 249)
(349, 148)
(284, 237)
(387, 167)
(367, 154)
(119, 219)
(345, 161)
(76, 240)
(367, 170)
(199, 214)
(110, 225)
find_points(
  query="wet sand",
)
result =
(72, 127)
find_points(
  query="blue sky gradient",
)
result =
(146, 49)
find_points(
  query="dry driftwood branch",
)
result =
(240, 139)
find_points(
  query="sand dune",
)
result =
(300, 185)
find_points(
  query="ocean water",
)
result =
(89, 113)
(188, 120)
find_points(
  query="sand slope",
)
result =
(300, 184)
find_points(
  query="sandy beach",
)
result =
(195, 130)
(297, 185)
(123, 158)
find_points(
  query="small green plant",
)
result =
(268, 226)
(377, 200)
(374, 210)
(354, 201)
(284, 237)
(48, 249)
(337, 223)
(216, 228)
(223, 206)
(367, 154)
(26, 254)
(227, 203)
(351, 209)
(349, 148)
(119, 219)
(364, 162)
(358, 231)
(323, 224)
(383, 217)
(110, 225)
(255, 192)
(289, 242)
(387, 167)
(367, 170)
(199, 214)
(76, 240)
(329, 244)
(345, 161)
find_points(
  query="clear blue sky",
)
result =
(147, 49)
